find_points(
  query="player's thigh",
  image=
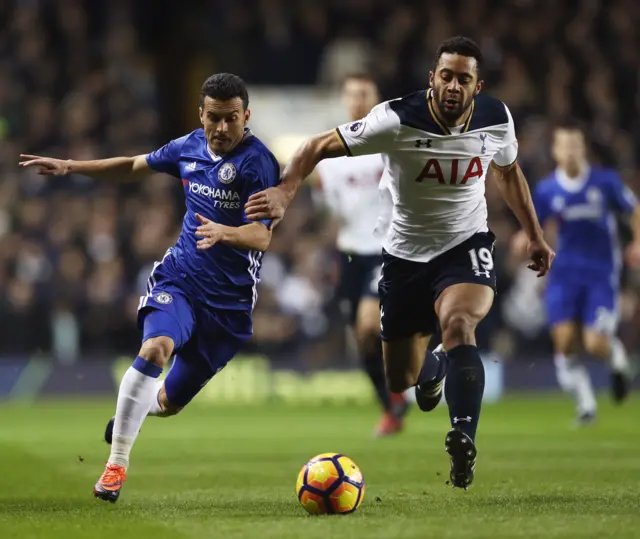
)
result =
(218, 336)
(403, 358)
(460, 308)
(566, 337)
(167, 321)
(464, 287)
(406, 299)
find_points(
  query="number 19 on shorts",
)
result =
(481, 261)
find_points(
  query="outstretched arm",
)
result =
(272, 203)
(515, 191)
(120, 167)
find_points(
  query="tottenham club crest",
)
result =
(164, 298)
(227, 173)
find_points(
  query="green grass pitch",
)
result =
(220, 471)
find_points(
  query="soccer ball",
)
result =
(330, 483)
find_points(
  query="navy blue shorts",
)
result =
(409, 290)
(359, 276)
(205, 338)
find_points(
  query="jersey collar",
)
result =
(445, 130)
(573, 185)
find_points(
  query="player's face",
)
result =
(223, 122)
(569, 150)
(359, 97)
(455, 83)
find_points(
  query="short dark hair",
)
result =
(224, 86)
(464, 46)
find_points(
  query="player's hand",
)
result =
(210, 232)
(632, 255)
(47, 166)
(541, 256)
(268, 204)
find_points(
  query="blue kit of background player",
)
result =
(584, 282)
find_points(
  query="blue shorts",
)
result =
(594, 305)
(205, 339)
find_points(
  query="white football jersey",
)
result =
(435, 175)
(350, 187)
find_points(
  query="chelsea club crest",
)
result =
(164, 298)
(227, 173)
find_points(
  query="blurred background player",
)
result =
(584, 201)
(200, 297)
(351, 189)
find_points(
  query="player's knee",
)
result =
(598, 345)
(458, 328)
(168, 409)
(157, 350)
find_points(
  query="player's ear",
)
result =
(247, 115)
(431, 77)
(479, 87)
(201, 114)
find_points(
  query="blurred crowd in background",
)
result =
(97, 78)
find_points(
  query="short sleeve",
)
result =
(260, 173)
(541, 203)
(375, 133)
(508, 152)
(166, 159)
(621, 197)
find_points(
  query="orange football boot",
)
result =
(110, 483)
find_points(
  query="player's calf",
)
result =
(611, 350)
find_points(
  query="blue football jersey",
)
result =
(585, 210)
(216, 187)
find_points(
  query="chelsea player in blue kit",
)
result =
(201, 295)
(583, 286)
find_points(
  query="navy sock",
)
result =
(464, 388)
(374, 367)
(432, 367)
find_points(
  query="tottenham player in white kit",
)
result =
(438, 271)
(351, 192)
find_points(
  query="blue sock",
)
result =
(464, 388)
(146, 367)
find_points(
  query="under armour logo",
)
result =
(457, 420)
(420, 143)
(483, 138)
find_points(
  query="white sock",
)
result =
(563, 374)
(156, 409)
(574, 378)
(618, 360)
(585, 397)
(136, 393)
